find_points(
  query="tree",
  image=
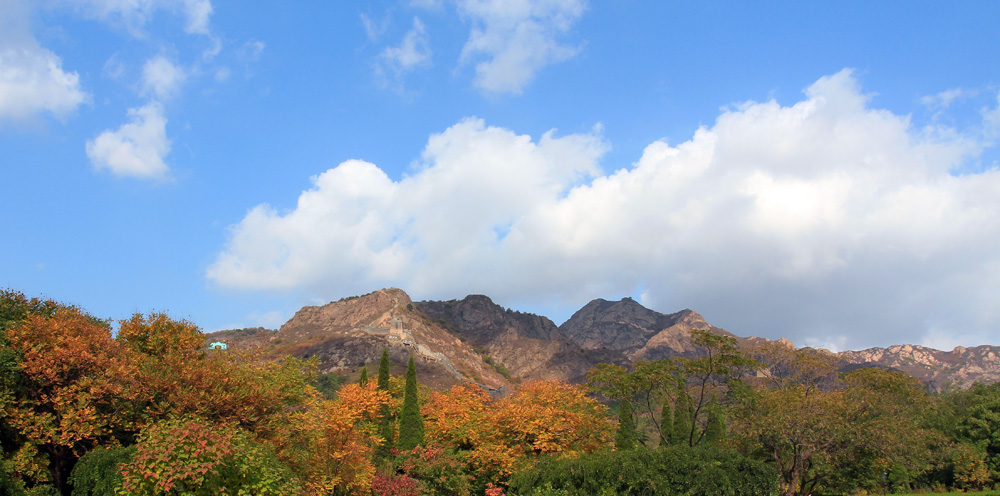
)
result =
(68, 398)
(715, 430)
(385, 425)
(330, 444)
(497, 437)
(383, 370)
(835, 440)
(666, 422)
(363, 380)
(411, 424)
(99, 472)
(980, 424)
(625, 436)
(680, 434)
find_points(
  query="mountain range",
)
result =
(476, 339)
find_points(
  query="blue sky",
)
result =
(825, 172)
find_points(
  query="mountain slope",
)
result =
(474, 339)
(527, 345)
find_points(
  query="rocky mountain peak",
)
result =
(623, 325)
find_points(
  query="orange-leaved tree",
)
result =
(497, 437)
(176, 377)
(69, 397)
(331, 443)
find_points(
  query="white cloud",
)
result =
(827, 221)
(197, 14)
(136, 149)
(161, 78)
(517, 39)
(413, 51)
(32, 81)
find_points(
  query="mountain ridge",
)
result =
(474, 339)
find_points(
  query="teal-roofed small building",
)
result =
(218, 345)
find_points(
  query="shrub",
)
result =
(676, 470)
(437, 470)
(191, 456)
(98, 473)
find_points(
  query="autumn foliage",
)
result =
(499, 436)
(151, 411)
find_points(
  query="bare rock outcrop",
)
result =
(528, 346)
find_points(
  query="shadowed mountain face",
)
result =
(474, 339)
(634, 331)
(527, 345)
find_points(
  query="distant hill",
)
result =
(474, 339)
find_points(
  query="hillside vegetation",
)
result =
(152, 410)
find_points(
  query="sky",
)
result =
(821, 171)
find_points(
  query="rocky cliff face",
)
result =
(527, 345)
(938, 369)
(474, 339)
(351, 333)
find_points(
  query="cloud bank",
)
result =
(828, 221)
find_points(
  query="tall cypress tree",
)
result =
(715, 431)
(681, 432)
(411, 424)
(385, 424)
(383, 371)
(363, 380)
(666, 423)
(625, 436)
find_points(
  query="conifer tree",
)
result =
(715, 431)
(411, 424)
(385, 425)
(625, 436)
(364, 376)
(383, 371)
(666, 423)
(681, 432)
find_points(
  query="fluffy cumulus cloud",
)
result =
(32, 79)
(828, 221)
(512, 41)
(137, 148)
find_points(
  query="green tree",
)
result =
(364, 376)
(715, 430)
(835, 440)
(979, 424)
(625, 436)
(98, 473)
(666, 422)
(411, 424)
(680, 434)
(385, 420)
(383, 371)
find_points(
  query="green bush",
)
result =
(675, 470)
(98, 473)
